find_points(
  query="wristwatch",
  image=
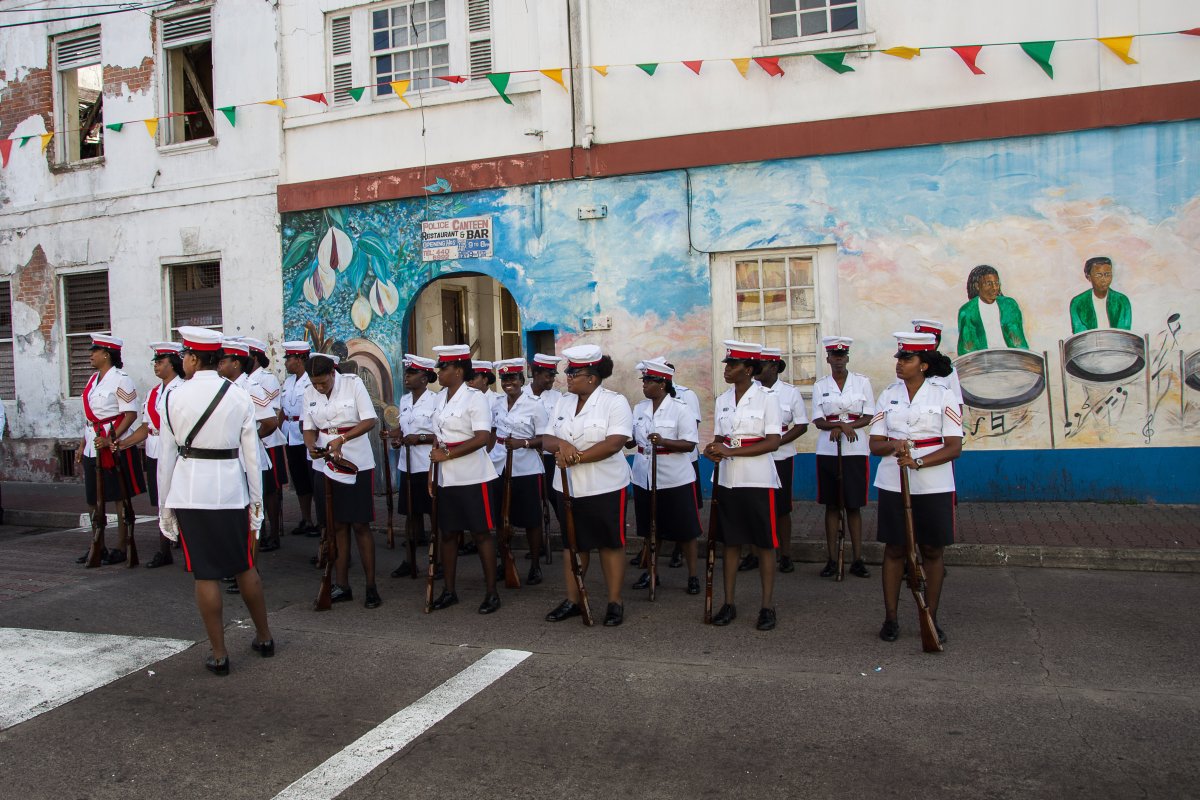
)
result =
(920, 462)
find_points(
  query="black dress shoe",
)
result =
(614, 615)
(860, 569)
(786, 565)
(830, 569)
(468, 548)
(268, 545)
(217, 666)
(230, 579)
(748, 563)
(644, 581)
(299, 530)
(766, 619)
(633, 562)
(676, 560)
(693, 586)
(340, 594)
(160, 559)
(535, 575)
(312, 531)
(265, 649)
(373, 599)
(83, 559)
(113, 557)
(565, 610)
(726, 615)
(445, 600)
(315, 561)
(941, 633)
(402, 571)
(890, 631)
(490, 604)
(232, 589)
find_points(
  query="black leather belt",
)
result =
(203, 453)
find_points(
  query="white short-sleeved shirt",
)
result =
(932, 412)
(847, 404)
(791, 412)
(950, 382)
(756, 416)
(417, 417)
(522, 421)
(692, 401)
(347, 405)
(605, 414)
(108, 397)
(672, 420)
(262, 410)
(549, 399)
(457, 419)
(154, 400)
(266, 380)
(292, 401)
(496, 453)
(202, 482)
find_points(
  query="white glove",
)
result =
(256, 519)
(168, 524)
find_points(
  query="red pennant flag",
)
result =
(694, 66)
(5, 149)
(968, 55)
(451, 78)
(770, 65)
(1191, 32)
(316, 98)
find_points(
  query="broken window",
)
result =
(188, 78)
(79, 112)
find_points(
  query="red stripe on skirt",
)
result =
(487, 505)
(187, 557)
(250, 539)
(622, 525)
(274, 468)
(774, 535)
(696, 502)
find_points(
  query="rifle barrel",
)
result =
(573, 547)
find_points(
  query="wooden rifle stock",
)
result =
(549, 559)
(652, 545)
(99, 520)
(410, 519)
(127, 509)
(573, 547)
(710, 560)
(511, 579)
(916, 573)
(327, 552)
(387, 485)
(841, 538)
(434, 536)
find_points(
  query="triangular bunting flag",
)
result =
(451, 78)
(1040, 53)
(356, 93)
(554, 75)
(694, 66)
(907, 53)
(1191, 32)
(316, 98)
(968, 54)
(1119, 45)
(5, 149)
(647, 68)
(230, 113)
(770, 65)
(499, 81)
(46, 137)
(151, 126)
(275, 102)
(834, 61)
(25, 140)
(115, 126)
(742, 65)
(400, 87)
(603, 70)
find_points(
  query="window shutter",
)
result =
(78, 52)
(340, 45)
(479, 37)
(196, 295)
(86, 300)
(6, 344)
(187, 28)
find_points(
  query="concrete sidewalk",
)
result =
(1074, 535)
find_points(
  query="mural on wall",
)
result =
(1039, 366)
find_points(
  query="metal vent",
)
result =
(479, 15)
(187, 28)
(343, 79)
(481, 57)
(79, 52)
(339, 36)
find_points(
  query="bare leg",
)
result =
(208, 600)
(934, 575)
(534, 535)
(689, 554)
(893, 570)
(250, 586)
(366, 550)
(274, 506)
(612, 563)
(730, 570)
(766, 563)
(487, 556)
(450, 540)
(784, 527)
(122, 530)
(341, 532)
(854, 521)
(306, 503)
(569, 575)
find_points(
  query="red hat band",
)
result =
(464, 357)
(745, 354)
(201, 346)
(913, 348)
(656, 374)
(927, 329)
(577, 364)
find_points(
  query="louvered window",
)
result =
(479, 37)
(196, 295)
(6, 343)
(85, 302)
(188, 76)
(340, 51)
(409, 42)
(80, 98)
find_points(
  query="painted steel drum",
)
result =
(1104, 356)
(1001, 379)
(1191, 370)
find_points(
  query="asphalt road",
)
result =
(1054, 683)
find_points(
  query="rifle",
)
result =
(511, 579)
(916, 573)
(546, 518)
(99, 520)
(841, 540)
(410, 519)
(387, 485)
(434, 536)
(127, 507)
(710, 560)
(326, 552)
(652, 544)
(573, 547)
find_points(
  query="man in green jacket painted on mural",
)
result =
(988, 319)
(1101, 306)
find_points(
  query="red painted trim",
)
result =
(696, 503)
(187, 556)
(774, 525)
(979, 122)
(487, 506)
(867, 482)
(622, 518)
(250, 540)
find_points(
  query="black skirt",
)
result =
(599, 520)
(856, 480)
(300, 468)
(699, 496)
(678, 517)
(420, 492)
(933, 518)
(472, 507)
(130, 463)
(783, 495)
(152, 480)
(217, 542)
(279, 467)
(550, 469)
(747, 516)
(526, 507)
(353, 503)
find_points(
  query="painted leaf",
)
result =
(335, 250)
(298, 249)
(373, 244)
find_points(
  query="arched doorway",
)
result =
(471, 309)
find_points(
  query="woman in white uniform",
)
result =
(415, 439)
(917, 426)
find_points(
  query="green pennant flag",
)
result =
(230, 113)
(499, 81)
(1040, 52)
(356, 93)
(25, 140)
(116, 126)
(648, 68)
(834, 61)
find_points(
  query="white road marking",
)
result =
(379, 744)
(42, 670)
(85, 522)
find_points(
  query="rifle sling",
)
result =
(187, 451)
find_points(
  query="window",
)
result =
(80, 93)
(775, 303)
(85, 301)
(409, 43)
(187, 76)
(510, 326)
(797, 19)
(196, 295)
(6, 343)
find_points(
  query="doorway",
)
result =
(470, 309)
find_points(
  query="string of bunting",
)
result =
(1040, 52)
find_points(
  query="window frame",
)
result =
(169, 283)
(11, 343)
(65, 318)
(68, 123)
(823, 40)
(170, 134)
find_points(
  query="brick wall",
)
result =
(137, 78)
(24, 98)
(33, 285)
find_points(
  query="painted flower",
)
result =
(320, 284)
(361, 313)
(335, 250)
(384, 297)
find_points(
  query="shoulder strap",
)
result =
(187, 442)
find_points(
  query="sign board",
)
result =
(462, 237)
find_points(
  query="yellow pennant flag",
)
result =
(742, 65)
(907, 53)
(151, 127)
(279, 103)
(602, 70)
(1119, 45)
(554, 75)
(46, 137)
(400, 87)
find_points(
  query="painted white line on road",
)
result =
(85, 522)
(379, 744)
(42, 670)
